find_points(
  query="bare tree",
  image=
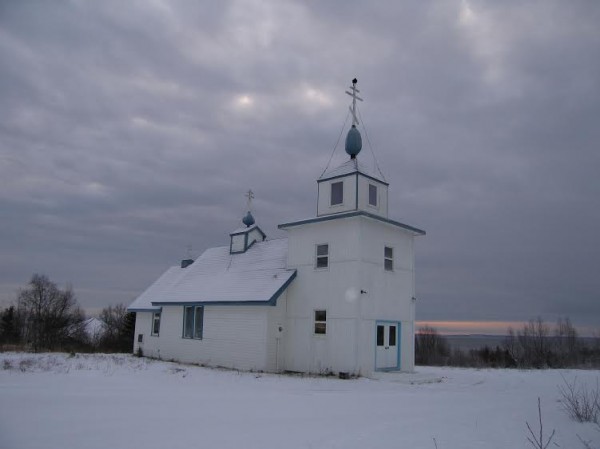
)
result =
(533, 339)
(119, 328)
(512, 346)
(430, 347)
(50, 315)
(567, 345)
(537, 441)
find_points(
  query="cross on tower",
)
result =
(250, 196)
(354, 98)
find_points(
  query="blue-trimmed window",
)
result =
(155, 324)
(193, 322)
(337, 193)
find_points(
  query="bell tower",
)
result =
(352, 186)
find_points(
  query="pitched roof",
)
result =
(257, 276)
(352, 166)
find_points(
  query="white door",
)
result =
(386, 352)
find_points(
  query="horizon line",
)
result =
(490, 327)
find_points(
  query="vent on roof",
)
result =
(186, 262)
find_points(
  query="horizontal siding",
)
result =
(233, 337)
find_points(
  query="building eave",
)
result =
(147, 309)
(342, 215)
(345, 175)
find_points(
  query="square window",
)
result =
(320, 322)
(337, 193)
(372, 195)
(322, 260)
(155, 324)
(388, 258)
(193, 322)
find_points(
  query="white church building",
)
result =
(336, 296)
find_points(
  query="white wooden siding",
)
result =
(356, 263)
(381, 208)
(233, 337)
(324, 206)
(237, 243)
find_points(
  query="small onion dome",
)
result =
(248, 220)
(353, 142)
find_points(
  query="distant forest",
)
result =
(47, 318)
(535, 345)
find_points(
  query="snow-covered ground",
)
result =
(117, 401)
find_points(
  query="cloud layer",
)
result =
(129, 131)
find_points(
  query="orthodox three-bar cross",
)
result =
(250, 196)
(354, 98)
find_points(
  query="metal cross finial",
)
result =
(354, 98)
(189, 251)
(250, 196)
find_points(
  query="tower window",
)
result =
(322, 256)
(388, 258)
(337, 193)
(372, 195)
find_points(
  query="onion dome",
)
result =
(248, 220)
(353, 142)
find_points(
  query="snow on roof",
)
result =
(258, 275)
(245, 229)
(94, 327)
(352, 166)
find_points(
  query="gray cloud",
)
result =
(130, 131)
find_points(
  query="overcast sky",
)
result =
(131, 130)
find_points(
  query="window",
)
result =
(321, 322)
(388, 258)
(322, 256)
(155, 324)
(337, 193)
(140, 338)
(392, 336)
(372, 195)
(380, 334)
(193, 322)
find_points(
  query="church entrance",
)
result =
(387, 347)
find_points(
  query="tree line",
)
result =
(535, 345)
(48, 318)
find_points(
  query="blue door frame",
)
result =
(398, 344)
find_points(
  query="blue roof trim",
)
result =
(248, 229)
(351, 173)
(272, 301)
(150, 309)
(349, 215)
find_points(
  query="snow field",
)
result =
(120, 401)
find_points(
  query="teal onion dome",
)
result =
(248, 220)
(353, 142)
